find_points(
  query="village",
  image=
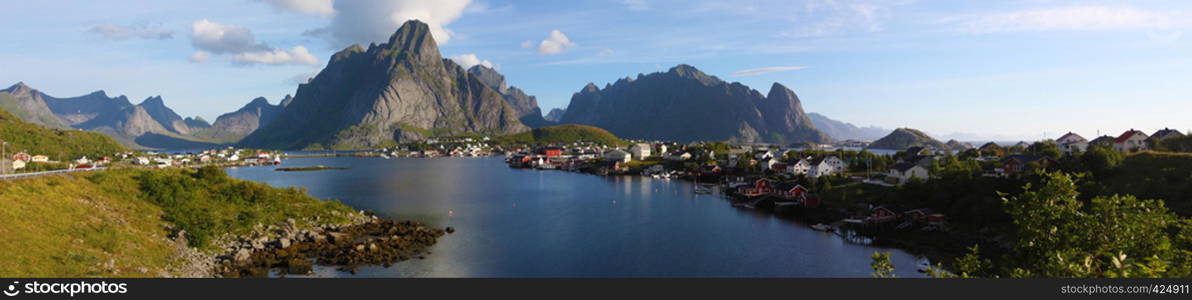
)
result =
(24, 164)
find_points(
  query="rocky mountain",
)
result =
(149, 124)
(958, 145)
(555, 115)
(846, 131)
(196, 123)
(29, 105)
(685, 104)
(525, 105)
(903, 138)
(400, 90)
(233, 126)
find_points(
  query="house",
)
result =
(799, 168)
(617, 155)
(1016, 164)
(767, 163)
(789, 191)
(883, 214)
(904, 171)
(924, 216)
(640, 151)
(1166, 133)
(83, 160)
(761, 155)
(263, 154)
(760, 187)
(142, 161)
(825, 166)
(1102, 141)
(552, 151)
(22, 156)
(709, 170)
(1072, 143)
(1130, 141)
(40, 158)
(677, 156)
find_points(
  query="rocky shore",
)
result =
(294, 247)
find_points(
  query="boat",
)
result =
(702, 190)
(822, 227)
(385, 156)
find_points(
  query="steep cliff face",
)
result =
(525, 105)
(685, 104)
(397, 91)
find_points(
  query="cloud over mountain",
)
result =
(366, 21)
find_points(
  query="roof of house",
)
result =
(1104, 139)
(990, 145)
(1167, 132)
(903, 166)
(1075, 138)
(820, 160)
(1025, 158)
(786, 186)
(1127, 135)
(924, 211)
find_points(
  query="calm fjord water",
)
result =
(529, 223)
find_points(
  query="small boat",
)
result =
(702, 190)
(385, 156)
(822, 227)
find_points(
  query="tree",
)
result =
(1100, 159)
(1046, 148)
(1060, 236)
(882, 268)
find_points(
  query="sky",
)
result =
(1004, 70)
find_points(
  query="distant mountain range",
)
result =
(399, 91)
(685, 104)
(555, 115)
(846, 131)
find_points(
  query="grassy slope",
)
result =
(564, 134)
(73, 225)
(58, 144)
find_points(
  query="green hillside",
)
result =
(1152, 175)
(58, 144)
(564, 134)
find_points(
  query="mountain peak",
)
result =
(489, 77)
(153, 101)
(413, 37)
(259, 101)
(685, 70)
(286, 101)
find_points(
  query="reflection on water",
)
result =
(528, 223)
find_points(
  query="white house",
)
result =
(677, 156)
(1130, 141)
(640, 151)
(1072, 143)
(825, 166)
(40, 158)
(83, 160)
(799, 168)
(903, 172)
(618, 155)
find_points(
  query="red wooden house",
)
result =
(551, 151)
(760, 187)
(789, 191)
(882, 214)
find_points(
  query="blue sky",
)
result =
(998, 70)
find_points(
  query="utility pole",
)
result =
(4, 155)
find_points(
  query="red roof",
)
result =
(1126, 136)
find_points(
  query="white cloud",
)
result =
(636, 4)
(555, 44)
(118, 32)
(469, 60)
(215, 38)
(294, 56)
(764, 70)
(367, 21)
(527, 44)
(1073, 18)
(219, 38)
(307, 7)
(199, 57)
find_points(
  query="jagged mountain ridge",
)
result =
(401, 90)
(685, 104)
